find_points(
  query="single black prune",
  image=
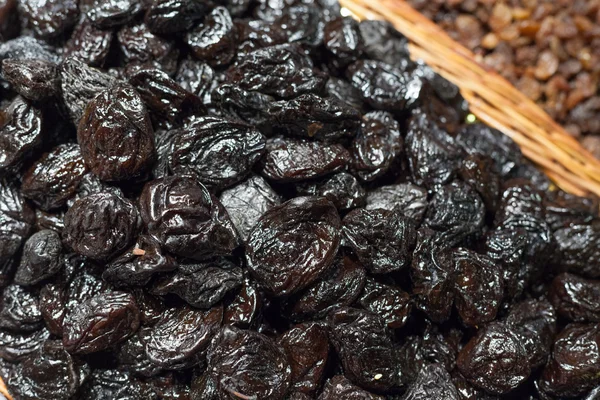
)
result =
(181, 336)
(50, 374)
(564, 209)
(215, 39)
(307, 347)
(116, 136)
(342, 189)
(142, 48)
(55, 177)
(339, 387)
(101, 322)
(245, 309)
(281, 70)
(203, 284)
(341, 90)
(578, 249)
(101, 225)
(172, 16)
(410, 200)
(311, 116)
(433, 382)
(343, 41)
(217, 151)
(20, 133)
(478, 286)
(383, 240)
(520, 197)
(49, 18)
(19, 310)
(28, 48)
(495, 359)
(112, 13)
(250, 107)
(382, 42)
(290, 160)
(539, 247)
(574, 367)
(339, 287)
(198, 78)
(257, 34)
(377, 146)
(246, 363)
(187, 220)
(132, 357)
(247, 202)
(389, 302)
(15, 347)
(89, 44)
(480, 173)
(104, 384)
(302, 23)
(32, 79)
(138, 264)
(42, 258)
(364, 346)
(576, 299)
(293, 244)
(16, 222)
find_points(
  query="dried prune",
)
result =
(302, 23)
(104, 384)
(55, 177)
(433, 382)
(519, 197)
(171, 16)
(564, 209)
(16, 222)
(245, 309)
(132, 356)
(42, 258)
(217, 151)
(342, 90)
(281, 70)
(32, 79)
(456, 207)
(486, 366)
(576, 246)
(247, 363)
(383, 240)
(389, 302)
(100, 322)
(138, 265)
(142, 48)
(27, 48)
(250, 107)
(101, 225)
(202, 284)
(89, 44)
(115, 135)
(112, 13)
(20, 133)
(418, 352)
(196, 77)
(181, 336)
(342, 189)
(410, 200)
(382, 42)
(479, 172)
(19, 310)
(257, 34)
(15, 347)
(364, 346)
(293, 244)
(343, 41)
(215, 39)
(290, 160)
(575, 298)
(187, 220)
(339, 387)
(49, 18)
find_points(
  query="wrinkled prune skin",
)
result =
(519, 197)
(203, 387)
(478, 286)
(293, 244)
(49, 373)
(16, 222)
(172, 16)
(479, 172)
(101, 322)
(343, 41)
(27, 48)
(116, 136)
(433, 382)
(311, 116)
(383, 240)
(245, 310)
(52, 220)
(342, 189)
(215, 39)
(112, 13)
(141, 48)
(281, 70)
(575, 298)
(89, 44)
(101, 225)
(187, 220)
(132, 358)
(49, 18)
(15, 347)
(20, 133)
(201, 285)
(497, 372)
(577, 249)
(237, 103)
(574, 367)
(181, 336)
(217, 151)
(377, 146)
(433, 156)
(342, 90)
(339, 387)
(55, 177)
(564, 209)
(307, 347)
(104, 384)
(382, 42)
(410, 200)
(257, 34)
(339, 287)
(248, 363)
(33, 79)
(290, 160)
(247, 202)
(197, 77)
(19, 310)
(389, 302)
(137, 265)
(364, 346)
(41, 258)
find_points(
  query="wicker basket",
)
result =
(492, 99)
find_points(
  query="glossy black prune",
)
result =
(342, 189)
(187, 220)
(479, 172)
(578, 250)
(33, 79)
(339, 387)
(16, 222)
(245, 310)
(293, 244)
(343, 41)
(41, 258)
(49, 18)
(389, 302)
(20, 133)
(410, 200)
(302, 23)
(132, 357)
(519, 197)
(89, 44)
(575, 298)
(142, 48)
(104, 384)
(171, 16)
(215, 39)
(564, 209)
(15, 347)
(19, 310)
(433, 382)
(382, 42)
(237, 103)
(101, 225)
(27, 48)
(112, 13)
(342, 90)
(383, 240)
(198, 78)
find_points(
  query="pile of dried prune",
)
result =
(263, 200)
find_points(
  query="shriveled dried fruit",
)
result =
(389, 302)
(32, 79)
(339, 387)
(89, 44)
(112, 13)
(20, 133)
(433, 382)
(215, 39)
(342, 189)
(42, 258)
(19, 310)
(170, 16)
(575, 298)
(50, 18)
(143, 49)
(410, 200)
